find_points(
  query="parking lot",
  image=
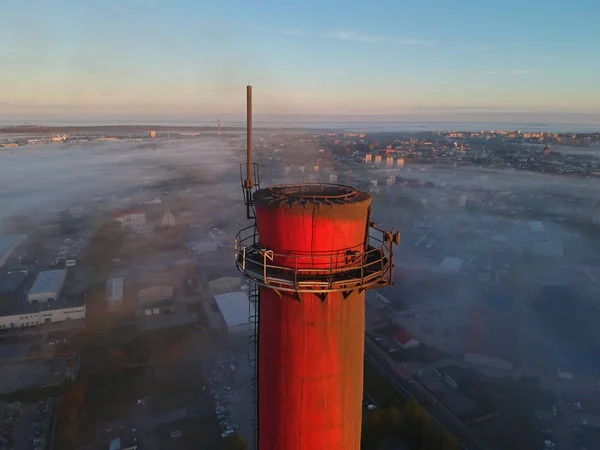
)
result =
(26, 427)
(568, 427)
(228, 390)
(229, 383)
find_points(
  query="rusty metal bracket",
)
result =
(322, 296)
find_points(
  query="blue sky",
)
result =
(184, 58)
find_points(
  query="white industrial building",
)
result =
(168, 220)
(25, 314)
(489, 362)
(451, 265)
(541, 243)
(236, 309)
(537, 226)
(47, 286)
(131, 219)
(62, 310)
(43, 304)
(8, 244)
(20, 314)
(114, 293)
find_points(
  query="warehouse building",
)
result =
(63, 309)
(451, 265)
(213, 315)
(224, 284)
(114, 293)
(19, 314)
(236, 309)
(47, 286)
(22, 313)
(156, 300)
(155, 294)
(8, 244)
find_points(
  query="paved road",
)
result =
(409, 389)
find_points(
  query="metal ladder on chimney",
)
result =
(254, 304)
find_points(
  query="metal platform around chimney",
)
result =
(341, 271)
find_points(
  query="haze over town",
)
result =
(463, 316)
(495, 226)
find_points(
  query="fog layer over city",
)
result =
(45, 178)
(495, 276)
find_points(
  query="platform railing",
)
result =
(364, 266)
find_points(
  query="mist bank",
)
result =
(431, 121)
(41, 179)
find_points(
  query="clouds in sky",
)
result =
(355, 36)
(180, 65)
(479, 47)
(375, 38)
(350, 35)
(512, 72)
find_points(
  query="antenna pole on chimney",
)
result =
(249, 181)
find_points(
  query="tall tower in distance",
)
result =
(311, 252)
(219, 127)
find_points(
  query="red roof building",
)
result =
(405, 339)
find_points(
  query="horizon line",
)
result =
(460, 114)
(565, 127)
